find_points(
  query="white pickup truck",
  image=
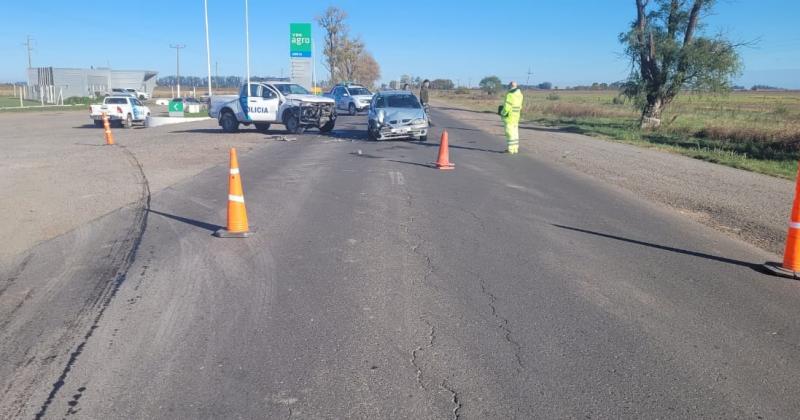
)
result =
(267, 103)
(124, 110)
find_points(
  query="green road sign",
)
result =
(300, 40)
(175, 108)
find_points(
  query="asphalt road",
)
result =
(378, 287)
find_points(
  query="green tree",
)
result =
(490, 84)
(668, 55)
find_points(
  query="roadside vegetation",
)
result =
(756, 131)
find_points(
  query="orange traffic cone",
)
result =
(443, 162)
(791, 255)
(237, 213)
(107, 129)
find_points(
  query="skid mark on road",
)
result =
(122, 257)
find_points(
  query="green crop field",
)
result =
(756, 131)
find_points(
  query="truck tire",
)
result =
(292, 122)
(262, 127)
(228, 122)
(352, 109)
(328, 126)
(128, 122)
(98, 123)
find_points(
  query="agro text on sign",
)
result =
(300, 40)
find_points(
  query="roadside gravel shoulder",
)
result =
(750, 206)
(56, 174)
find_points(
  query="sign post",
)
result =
(300, 46)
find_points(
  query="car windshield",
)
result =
(359, 91)
(291, 89)
(116, 101)
(402, 101)
(130, 90)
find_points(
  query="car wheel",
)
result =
(352, 109)
(141, 97)
(327, 127)
(228, 122)
(262, 127)
(292, 123)
(128, 122)
(98, 123)
(372, 132)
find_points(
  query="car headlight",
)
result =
(418, 121)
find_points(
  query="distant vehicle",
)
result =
(190, 104)
(266, 103)
(122, 109)
(353, 98)
(143, 96)
(396, 114)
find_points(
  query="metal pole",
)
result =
(247, 43)
(29, 46)
(313, 65)
(178, 58)
(208, 49)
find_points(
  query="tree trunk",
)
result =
(651, 116)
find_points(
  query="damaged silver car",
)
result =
(396, 115)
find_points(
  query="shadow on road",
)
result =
(366, 155)
(197, 223)
(405, 162)
(460, 128)
(568, 129)
(447, 108)
(755, 267)
(453, 146)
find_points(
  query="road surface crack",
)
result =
(415, 352)
(502, 322)
(126, 256)
(454, 398)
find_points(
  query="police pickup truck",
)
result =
(266, 103)
(124, 109)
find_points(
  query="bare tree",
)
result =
(348, 57)
(668, 56)
(367, 70)
(332, 21)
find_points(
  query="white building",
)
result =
(89, 82)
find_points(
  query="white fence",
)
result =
(45, 95)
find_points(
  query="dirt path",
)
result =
(747, 205)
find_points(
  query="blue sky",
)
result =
(566, 42)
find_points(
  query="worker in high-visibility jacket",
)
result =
(510, 112)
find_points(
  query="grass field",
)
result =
(756, 131)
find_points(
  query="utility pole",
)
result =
(29, 46)
(247, 43)
(178, 48)
(208, 49)
(528, 82)
(216, 71)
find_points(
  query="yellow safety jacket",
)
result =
(512, 106)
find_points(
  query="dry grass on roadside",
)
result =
(758, 131)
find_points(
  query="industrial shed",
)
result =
(88, 82)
